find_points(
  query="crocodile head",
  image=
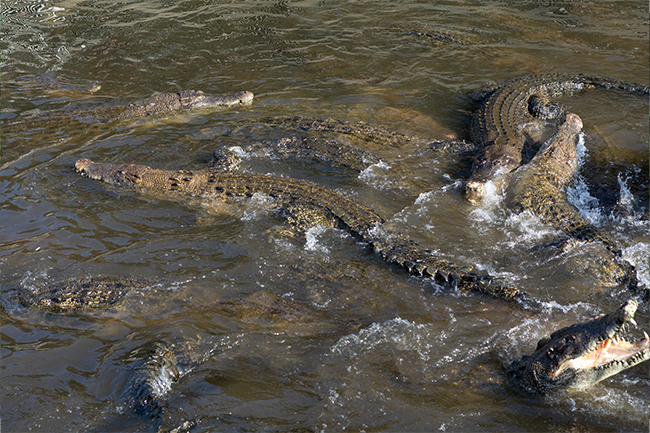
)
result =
(581, 354)
(193, 99)
(116, 174)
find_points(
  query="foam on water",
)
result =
(258, 203)
(639, 256)
(399, 333)
(588, 206)
(578, 193)
(313, 235)
(490, 210)
(376, 175)
(528, 229)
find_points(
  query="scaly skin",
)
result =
(581, 354)
(160, 365)
(334, 152)
(496, 127)
(359, 130)
(183, 101)
(163, 363)
(540, 185)
(160, 104)
(302, 204)
(90, 294)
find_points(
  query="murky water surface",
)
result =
(387, 351)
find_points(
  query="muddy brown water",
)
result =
(421, 358)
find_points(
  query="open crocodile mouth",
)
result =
(614, 350)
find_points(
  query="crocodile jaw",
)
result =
(117, 174)
(606, 354)
(610, 357)
(582, 354)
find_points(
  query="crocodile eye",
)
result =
(550, 353)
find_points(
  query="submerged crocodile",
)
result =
(331, 151)
(581, 354)
(159, 104)
(496, 128)
(158, 365)
(356, 129)
(303, 204)
(88, 294)
(52, 83)
(540, 187)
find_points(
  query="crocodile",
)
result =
(575, 356)
(332, 151)
(156, 105)
(158, 365)
(496, 128)
(581, 354)
(360, 130)
(79, 295)
(539, 187)
(303, 204)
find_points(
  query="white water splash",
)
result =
(375, 175)
(313, 235)
(587, 205)
(639, 256)
(490, 210)
(258, 203)
(398, 333)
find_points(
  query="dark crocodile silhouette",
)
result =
(496, 126)
(581, 354)
(303, 204)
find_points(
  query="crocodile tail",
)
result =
(613, 83)
(418, 261)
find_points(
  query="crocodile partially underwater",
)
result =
(540, 187)
(581, 354)
(331, 151)
(87, 294)
(51, 84)
(156, 105)
(302, 204)
(496, 128)
(573, 357)
(156, 366)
